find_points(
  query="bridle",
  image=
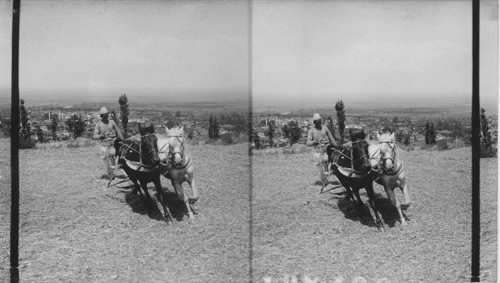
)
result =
(383, 159)
(180, 152)
(360, 157)
(141, 154)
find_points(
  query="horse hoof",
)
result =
(381, 229)
(405, 206)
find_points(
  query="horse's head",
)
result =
(175, 138)
(149, 145)
(360, 160)
(387, 149)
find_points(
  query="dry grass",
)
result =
(75, 229)
(5, 207)
(298, 232)
(294, 149)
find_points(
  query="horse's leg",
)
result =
(137, 188)
(176, 183)
(371, 200)
(162, 200)
(406, 194)
(144, 186)
(192, 184)
(392, 197)
(358, 197)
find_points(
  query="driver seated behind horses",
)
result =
(107, 131)
(319, 136)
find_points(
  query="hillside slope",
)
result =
(298, 232)
(75, 229)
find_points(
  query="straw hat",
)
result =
(316, 117)
(103, 111)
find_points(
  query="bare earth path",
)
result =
(74, 229)
(300, 233)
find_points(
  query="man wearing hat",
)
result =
(107, 131)
(319, 136)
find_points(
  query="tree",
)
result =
(403, 136)
(339, 107)
(213, 128)
(486, 148)
(485, 130)
(292, 132)
(76, 125)
(430, 133)
(53, 127)
(25, 140)
(270, 134)
(123, 101)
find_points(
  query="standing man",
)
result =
(319, 136)
(107, 131)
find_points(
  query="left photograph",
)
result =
(133, 160)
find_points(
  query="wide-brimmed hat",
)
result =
(316, 116)
(103, 111)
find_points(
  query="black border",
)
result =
(476, 127)
(14, 146)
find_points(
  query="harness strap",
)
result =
(398, 170)
(351, 173)
(137, 165)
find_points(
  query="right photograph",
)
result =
(361, 141)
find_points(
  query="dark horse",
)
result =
(141, 163)
(352, 167)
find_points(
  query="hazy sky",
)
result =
(301, 50)
(97, 45)
(354, 50)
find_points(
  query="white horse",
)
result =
(388, 170)
(177, 166)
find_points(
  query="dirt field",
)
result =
(300, 234)
(73, 229)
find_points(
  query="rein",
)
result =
(341, 153)
(352, 171)
(141, 164)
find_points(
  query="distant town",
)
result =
(450, 123)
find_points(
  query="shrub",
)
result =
(226, 138)
(76, 125)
